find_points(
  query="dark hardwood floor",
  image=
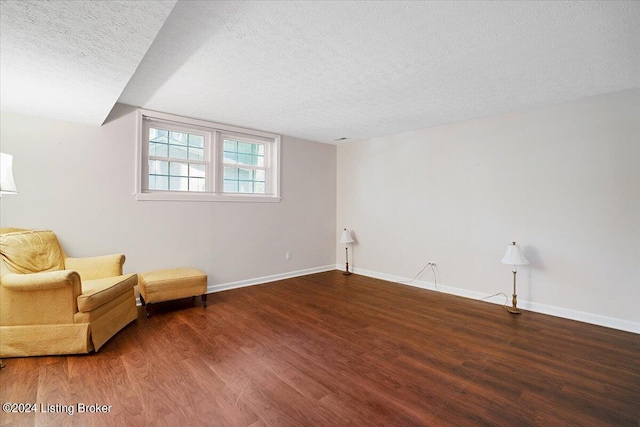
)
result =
(330, 350)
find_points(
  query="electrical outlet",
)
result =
(287, 256)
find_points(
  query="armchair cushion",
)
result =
(100, 291)
(31, 251)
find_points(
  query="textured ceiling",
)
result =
(326, 70)
(71, 60)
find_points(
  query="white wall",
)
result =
(562, 180)
(78, 180)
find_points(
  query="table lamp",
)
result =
(346, 239)
(514, 256)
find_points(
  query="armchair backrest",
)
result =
(30, 251)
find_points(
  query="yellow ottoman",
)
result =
(171, 283)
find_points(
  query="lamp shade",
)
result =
(7, 185)
(346, 237)
(514, 255)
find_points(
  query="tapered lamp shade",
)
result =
(514, 255)
(7, 185)
(346, 237)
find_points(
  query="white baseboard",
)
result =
(266, 279)
(595, 319)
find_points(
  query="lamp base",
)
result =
(346, 269)
(513, 310)
(514, 300)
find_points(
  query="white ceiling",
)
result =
(316, 70)
(70, 60)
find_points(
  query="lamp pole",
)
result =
(514, 300)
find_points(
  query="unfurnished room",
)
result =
(319, 213)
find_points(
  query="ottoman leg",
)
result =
(204, 300)
(146, 307)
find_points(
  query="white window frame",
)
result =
(214, 135)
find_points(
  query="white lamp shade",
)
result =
(514, 255)
(346, 237)
(7, 185)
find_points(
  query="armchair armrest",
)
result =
(98, 267)
(43, 298)
(42, 281)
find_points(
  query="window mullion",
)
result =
(216, 176)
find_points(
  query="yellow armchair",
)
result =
(53, 304)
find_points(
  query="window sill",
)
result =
(205, 197)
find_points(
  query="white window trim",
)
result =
(214, 176)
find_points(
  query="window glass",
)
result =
(167, 174)
(250, 159)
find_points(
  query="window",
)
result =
(244, 166)
(176, 160)
(188, 159)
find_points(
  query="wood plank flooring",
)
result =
(331, 350)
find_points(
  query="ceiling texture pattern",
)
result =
(70, 60)
(314, 70)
